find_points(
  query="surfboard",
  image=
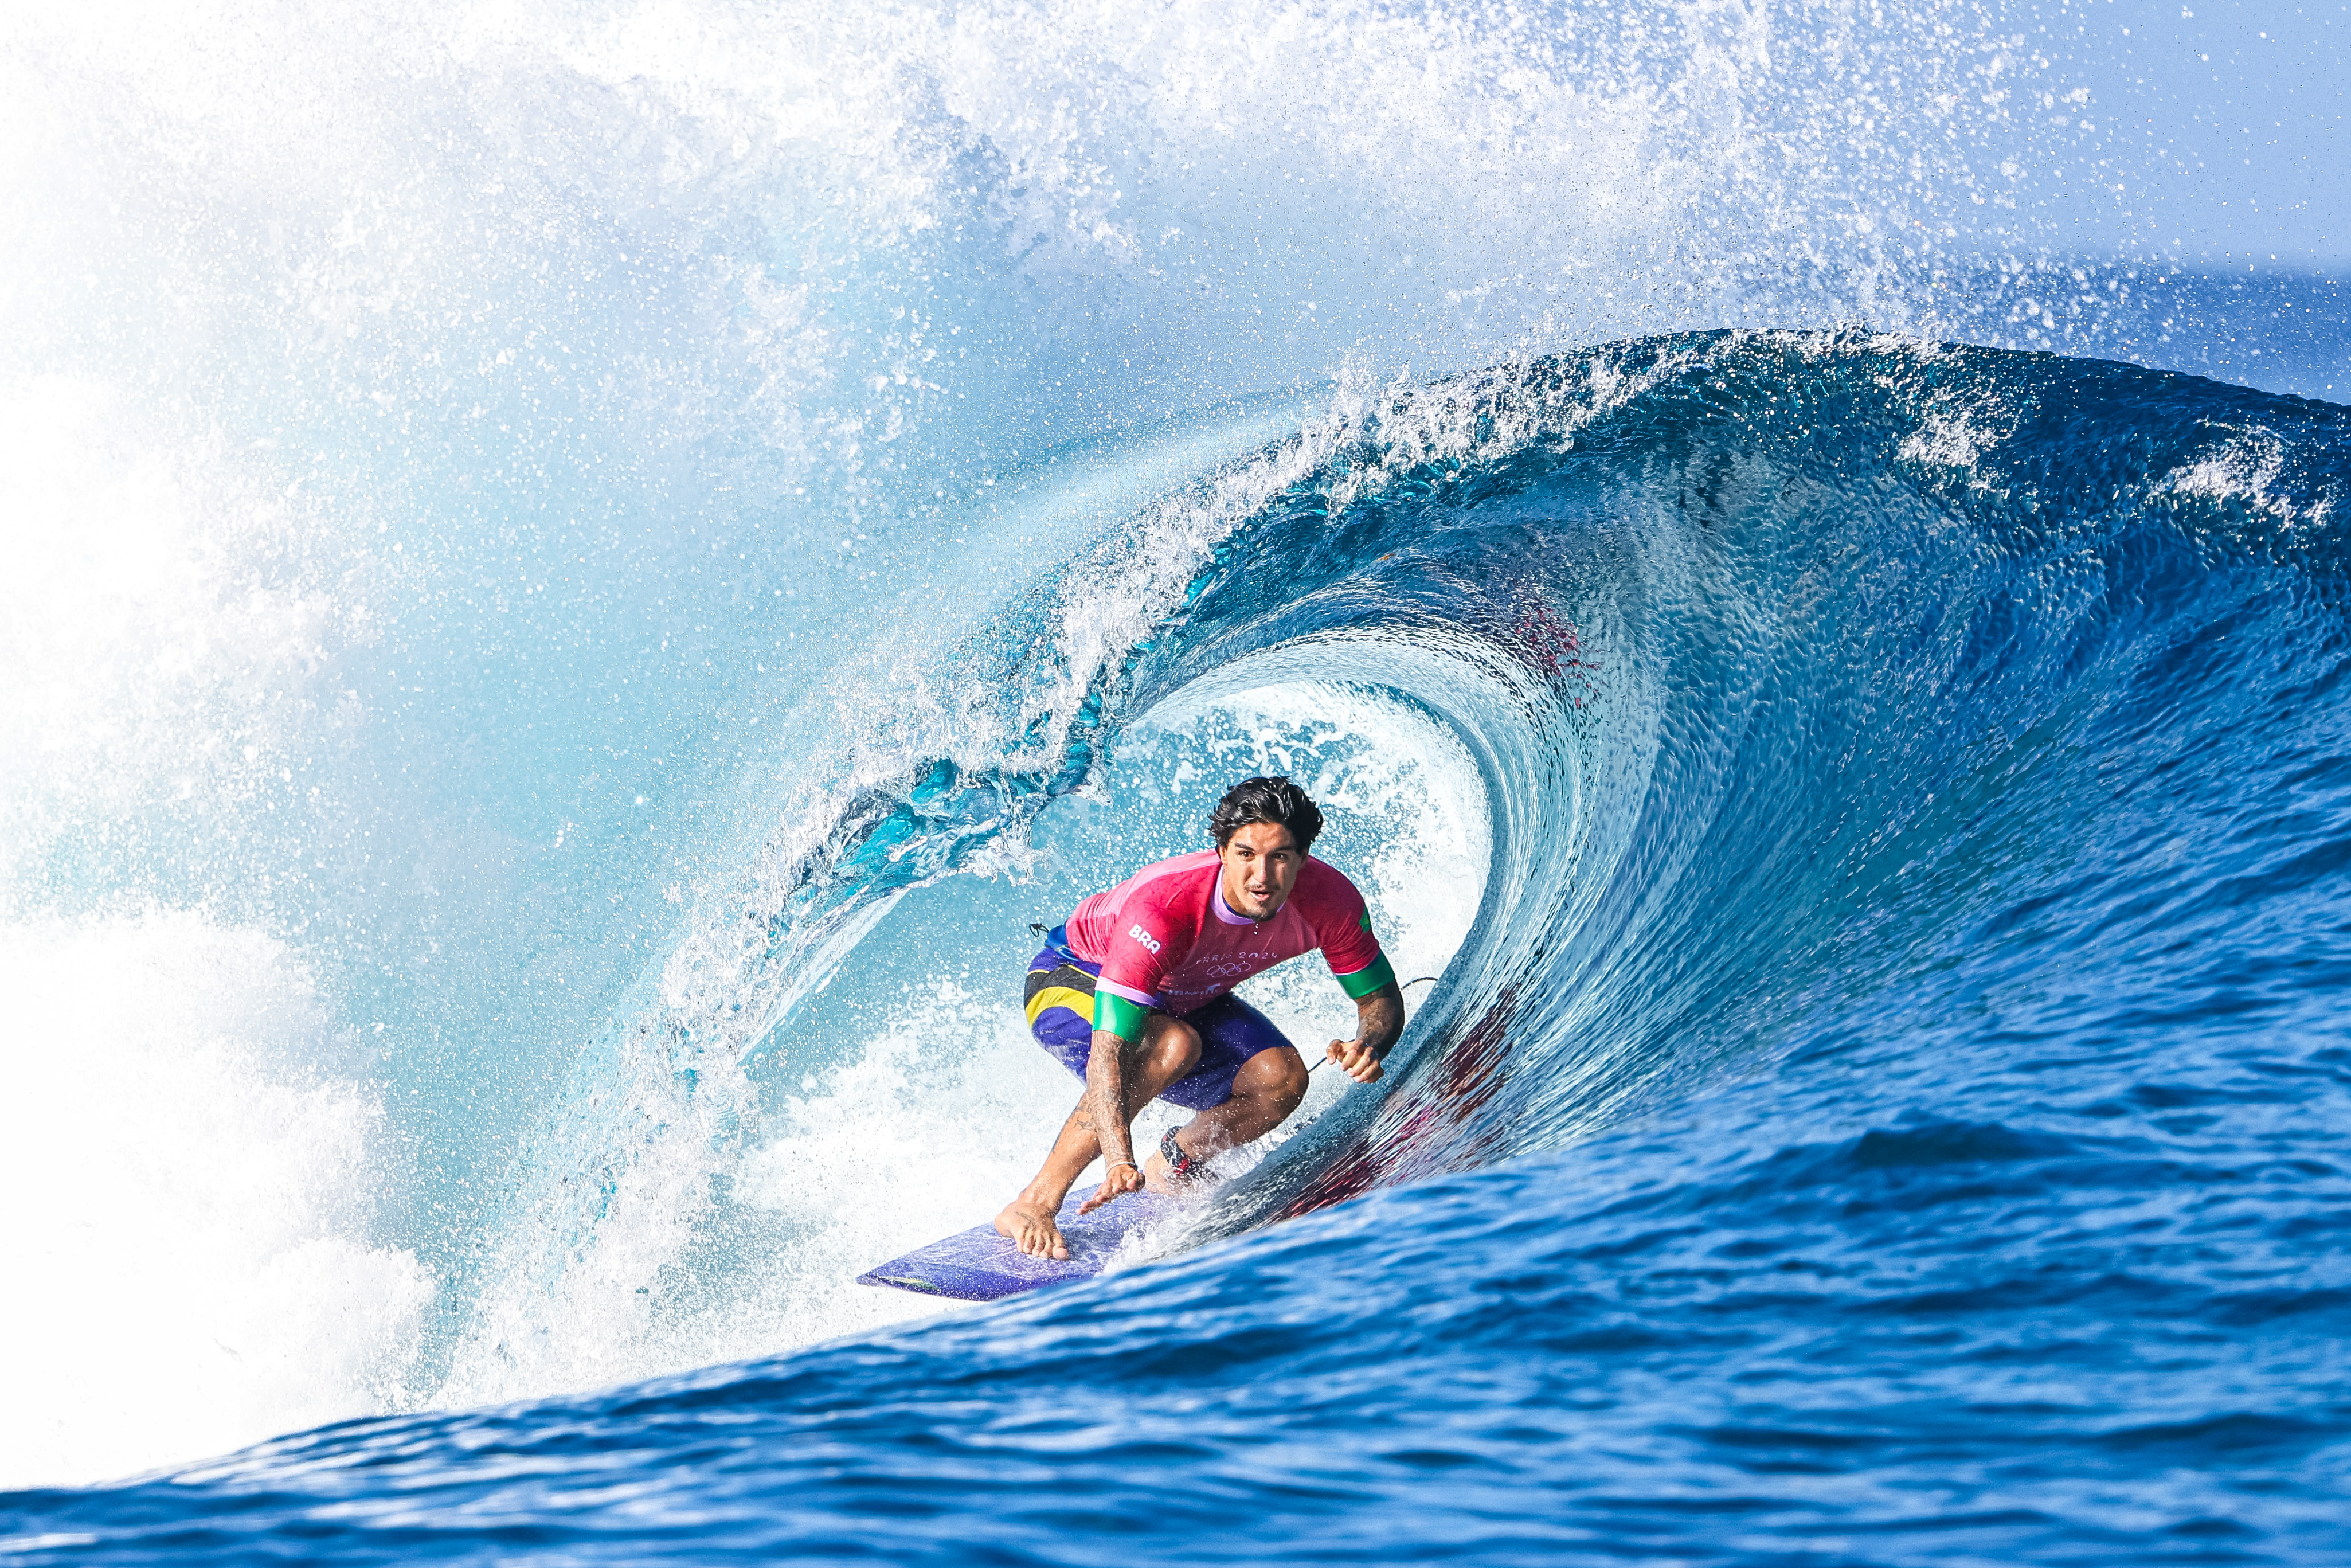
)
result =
(979, 1265)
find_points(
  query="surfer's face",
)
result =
(1261, 863)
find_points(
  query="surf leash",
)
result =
(1422, 980)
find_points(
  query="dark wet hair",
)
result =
(1275, 800)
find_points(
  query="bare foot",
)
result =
(1029, 1226)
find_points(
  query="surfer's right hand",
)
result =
(1357, 1061)
(1121, 1179)
(1030, 1228)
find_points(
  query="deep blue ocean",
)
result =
(581, 578)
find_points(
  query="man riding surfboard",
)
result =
(1134, 995)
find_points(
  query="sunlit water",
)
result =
(577, 581)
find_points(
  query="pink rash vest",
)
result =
(1166, 938)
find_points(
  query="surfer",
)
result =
(1134, 995)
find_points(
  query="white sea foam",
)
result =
(1949, 439)
(192, 1230)
(170, 636)
(195, 1158)
(2244, 466)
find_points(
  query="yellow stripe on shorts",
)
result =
(1079, 1002)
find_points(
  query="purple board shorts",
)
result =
(1060, 1008)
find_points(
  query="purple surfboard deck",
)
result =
(979, 1265)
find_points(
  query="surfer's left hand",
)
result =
(1358, 1060)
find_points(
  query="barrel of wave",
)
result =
(918, 1101)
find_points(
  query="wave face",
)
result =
(1881, 1097)
(576, 578)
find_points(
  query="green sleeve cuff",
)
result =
(1369, 979)
(1117, 1015)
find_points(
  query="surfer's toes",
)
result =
(1032, 1235)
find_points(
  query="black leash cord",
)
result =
(1424, 979)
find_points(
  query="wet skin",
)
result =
(1261, 867)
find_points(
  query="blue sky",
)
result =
(2224, 121)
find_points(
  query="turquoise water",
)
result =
(579, 579)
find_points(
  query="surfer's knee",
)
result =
(1173, 1049)
(1279, 1077)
